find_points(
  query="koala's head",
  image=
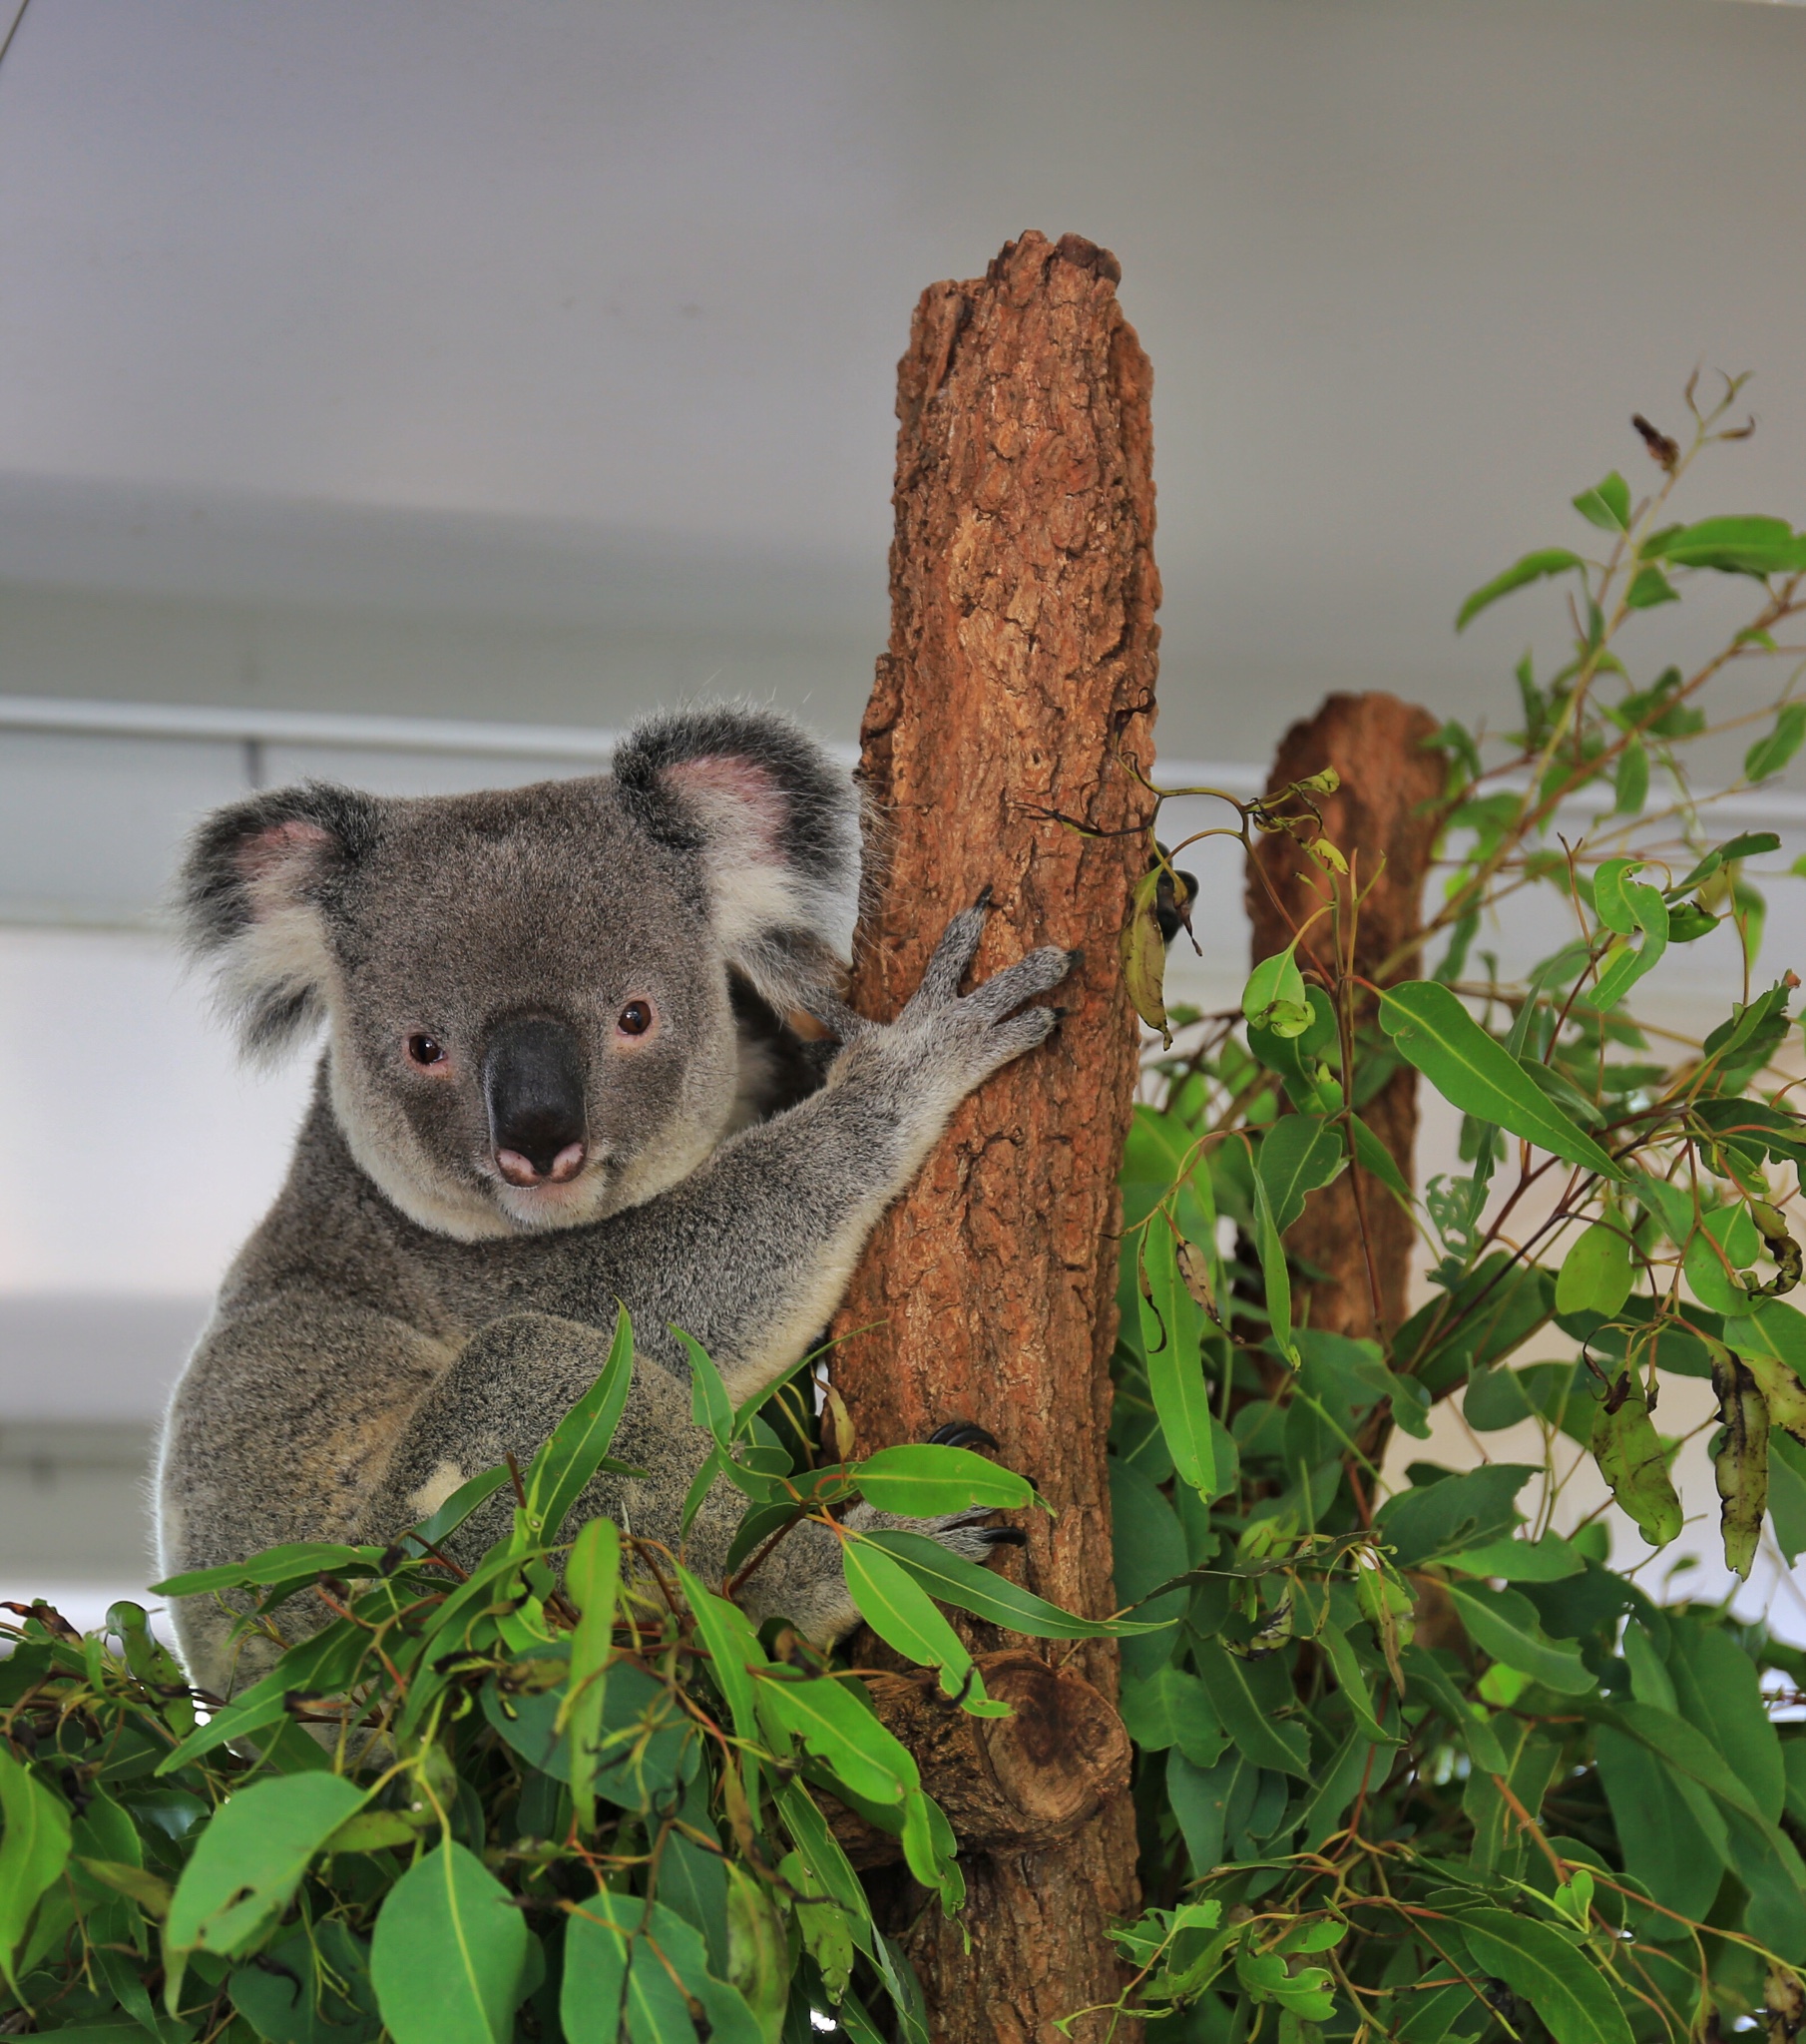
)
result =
(527, 993)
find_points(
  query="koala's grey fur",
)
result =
(406, 1317)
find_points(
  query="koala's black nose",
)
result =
(533, 1084)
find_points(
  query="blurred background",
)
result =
(413, 395)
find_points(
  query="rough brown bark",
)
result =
(1022, 652)
(1011, 1785)
(1383, 819)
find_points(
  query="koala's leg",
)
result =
(801, 1579)
(279, 1428)
(509, 1387)
(752, 1252)
(504, 1394)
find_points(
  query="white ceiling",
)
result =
(566, 332)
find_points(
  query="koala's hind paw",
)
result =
(962, 1536)
(961, 1433)
(964, 1533)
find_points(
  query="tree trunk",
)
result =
(1382, 818)
(1021, 655)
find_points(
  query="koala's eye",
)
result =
(425, 1051)
(635, 1019)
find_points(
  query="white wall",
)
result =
(454, 352)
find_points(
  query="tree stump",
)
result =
(1022, 656)
(1010, 1784)
(1384, 819)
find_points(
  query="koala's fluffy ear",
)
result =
(254, 890)
(771, 827)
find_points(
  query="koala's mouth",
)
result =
(550, 1203)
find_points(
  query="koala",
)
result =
(555, 1078)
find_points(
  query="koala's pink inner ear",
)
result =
(738, 795)
(280, 856)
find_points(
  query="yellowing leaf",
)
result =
(1144, 954)
(1632, 1461)
(1740, 1463)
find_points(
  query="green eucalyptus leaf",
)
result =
(1568, 1991)
(899, 1610)
(1149, 1551)
(1427, 1675)
(925, 1480)
(443, 1523)
(1431, 1520)
(1675, 1845)
(592, 1581)
(1297, 1155)
(841, 1732)
(1506, 1625)
(34, 1849)
(710, 1408)
(278, 1565)
(1275, 999)
(597, 1952)
(1170, 1708)
(1530, 568)
(952, 1579)
(1243, 1703)
(1608, 895)
(1688, 922)
(1595, 1275)
(1373, 1156)
(1608, 504)
(1733, 546)
(248, 1861)
(1276, 1276)
(578, 1443)
(1171, 1343)
(1718, 1689)
(1650, 587)
(1351, 1681)
(1631, 785)
(448, 1952)
(1771, 752)
(1476, 1074)
(1548, 1560)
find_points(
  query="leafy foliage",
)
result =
(1413, 1765)
(567, 1791)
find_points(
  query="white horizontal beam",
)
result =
(77, 718)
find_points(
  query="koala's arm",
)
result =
(750, 1255)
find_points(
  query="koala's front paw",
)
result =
(967, 1037)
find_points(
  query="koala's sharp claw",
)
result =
(1076, 957)
(1004, 1536)
(984, 896)
(962, 1433)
